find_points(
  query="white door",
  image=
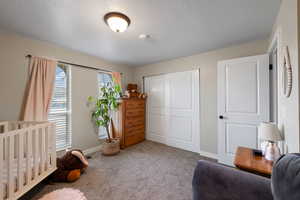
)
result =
(173, 109)
(243, 102)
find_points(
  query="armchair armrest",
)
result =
(213, 181)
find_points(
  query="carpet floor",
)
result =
(146, 171)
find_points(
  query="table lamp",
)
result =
(269, 132)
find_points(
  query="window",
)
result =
(60, 107)
(103, 79)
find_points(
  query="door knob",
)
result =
(221, 117)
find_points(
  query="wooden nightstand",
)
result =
(246, 160)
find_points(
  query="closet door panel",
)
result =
(173, 109)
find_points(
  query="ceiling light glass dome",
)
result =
(117, 22)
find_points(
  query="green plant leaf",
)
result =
(105, 104)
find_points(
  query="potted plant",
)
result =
(103, 107)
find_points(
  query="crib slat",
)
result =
(47, 146)
(6, 148)
(10, 184)
(53, 146)
(35, 154)
(43, 150)
(29, 157)
(50, 143)
(5, 128)
(1, 167)
(20, 162)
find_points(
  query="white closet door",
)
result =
(156, 118)
(173, 109)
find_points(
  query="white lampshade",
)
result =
(269, 131)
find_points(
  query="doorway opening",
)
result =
(274, 57)
(274, 85)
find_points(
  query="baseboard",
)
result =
(209, 155)
(92, 150)
(156, 138)
(161, 140)
(202, 153)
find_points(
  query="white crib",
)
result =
(27, 156)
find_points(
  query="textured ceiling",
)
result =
(177, 27)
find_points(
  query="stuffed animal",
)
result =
(70, 166)
(132, 87)
(132, 90)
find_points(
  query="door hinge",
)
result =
(270, 67)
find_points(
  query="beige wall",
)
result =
(287, 24)
(13, 74)
(207, 63)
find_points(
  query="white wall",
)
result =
(207, 63)
(13, 75)
(288, 118)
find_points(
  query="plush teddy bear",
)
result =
(70, 166)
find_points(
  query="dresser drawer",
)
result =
(134, 121)
(135, 104)
(135, 112)
(133, 139)
(135, 130)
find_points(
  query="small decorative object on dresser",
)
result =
(269, 132)
(132, 92)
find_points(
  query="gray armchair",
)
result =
(213, 181)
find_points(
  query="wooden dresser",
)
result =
(129, 122)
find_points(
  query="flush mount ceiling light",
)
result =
(116, 21)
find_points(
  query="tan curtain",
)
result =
(117, 78)
(38, 93)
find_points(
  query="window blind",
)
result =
(60, 107)
(103, 79)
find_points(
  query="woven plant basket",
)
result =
(112, 148)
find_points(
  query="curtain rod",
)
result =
(77, 65)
